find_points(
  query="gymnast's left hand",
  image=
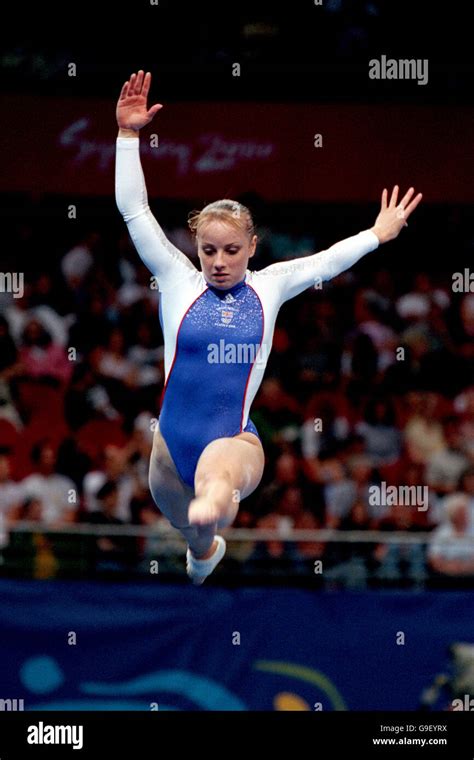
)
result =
(393, 216)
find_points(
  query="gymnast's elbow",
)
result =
(129, 208)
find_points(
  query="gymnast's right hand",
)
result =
(132, 112)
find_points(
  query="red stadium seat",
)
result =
(94, 436)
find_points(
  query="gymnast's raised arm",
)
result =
(166, 262)
(295, 275)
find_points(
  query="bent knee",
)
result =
(210, 471)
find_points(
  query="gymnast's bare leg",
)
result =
(228, 470)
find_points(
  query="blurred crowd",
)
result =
(370, 381)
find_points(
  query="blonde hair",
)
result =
(225, 210)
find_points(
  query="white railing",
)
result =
(163, 530)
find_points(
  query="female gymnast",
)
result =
(218, 326)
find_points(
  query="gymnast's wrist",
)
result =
(128, 132)
(378, 233)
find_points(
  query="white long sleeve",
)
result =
(295, 275)
(166, 262)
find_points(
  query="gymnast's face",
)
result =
(224, 251)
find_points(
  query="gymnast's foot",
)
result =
(199, 569)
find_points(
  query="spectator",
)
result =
(381, 437)
(451, 549)
(340, 493)
(115, 469)
(290, 514)
(416, 305)
(78, 261)
(41, 358)
(114, 363)
(56, 493)
(466, 486)
(114, 552)
(10, 368)
(276, 413)
(445, 466)
(20, 313)
(370, 317)
(364, 477)
(398, 560)
(11, 496)
(423, 433)
(142, 506)
(86, 398)
(464, 407)
(357, 519)
(8, 352)
(146, 357)
(326, 427)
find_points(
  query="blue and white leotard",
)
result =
(216, 342)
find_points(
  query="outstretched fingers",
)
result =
(384, 198)
(146, 84)
(131, 84)
(405, 208)
(123, 91)
(394, 198)
(413, 205)
(404, 202)
(139, 82)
